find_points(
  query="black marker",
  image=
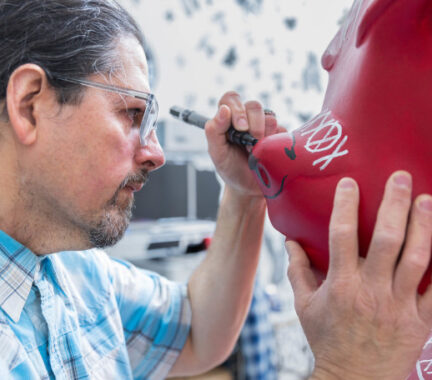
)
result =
(191, 117)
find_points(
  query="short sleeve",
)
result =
(156, 317)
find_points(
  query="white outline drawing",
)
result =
(318, 143)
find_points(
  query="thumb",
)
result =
(300, 273)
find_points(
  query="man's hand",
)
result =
(231, 161)
(366, 320)
(220, 289)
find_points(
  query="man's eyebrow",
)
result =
(117, 99)
(120, 99)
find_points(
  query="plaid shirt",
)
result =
(257, 340)
(83, 315)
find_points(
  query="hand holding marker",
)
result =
(243, 139)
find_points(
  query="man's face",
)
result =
(89, 160)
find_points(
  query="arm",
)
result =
(220, 289)
(366, 320)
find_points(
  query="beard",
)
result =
(110, 228)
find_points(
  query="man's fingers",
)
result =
(343, 229)
(256, 119)
(416, 254)
(300, 274)
(390, 229)
(271, 124)
(239, 117)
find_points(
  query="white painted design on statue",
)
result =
(428, 343)
(427, 369)
(324, 137)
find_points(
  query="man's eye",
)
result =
(135, 115)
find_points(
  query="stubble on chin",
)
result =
(111, 226)
(116, 216)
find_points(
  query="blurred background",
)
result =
(267, 50)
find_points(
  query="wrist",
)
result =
(238, 213)
(241, 199)
(236, 204)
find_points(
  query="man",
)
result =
(77, 139)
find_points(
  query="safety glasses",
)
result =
(147, 120)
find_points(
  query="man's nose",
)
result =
(150, 156)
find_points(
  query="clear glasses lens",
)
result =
(146, 121)
(149, 122)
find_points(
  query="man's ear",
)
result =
(25, 89)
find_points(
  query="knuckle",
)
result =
(424, 222)
(292, 272)
(417, 258)
(400, 197)
(229, 95)
(388, 236)
(422, 218)
(342, 231)
(253, 105)
(344, 204)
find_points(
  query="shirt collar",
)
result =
(18, 267)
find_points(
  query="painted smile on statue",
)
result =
(375, 120)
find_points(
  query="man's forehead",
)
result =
(133, 69)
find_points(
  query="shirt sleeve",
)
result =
(156, 318)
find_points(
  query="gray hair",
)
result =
(67, 38)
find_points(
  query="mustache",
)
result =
(136, 178)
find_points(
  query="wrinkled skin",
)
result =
(375, 120)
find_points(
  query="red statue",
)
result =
(376, 118)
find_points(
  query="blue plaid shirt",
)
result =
(83, 315)
(257, 339)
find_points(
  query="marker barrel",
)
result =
(191, 117)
